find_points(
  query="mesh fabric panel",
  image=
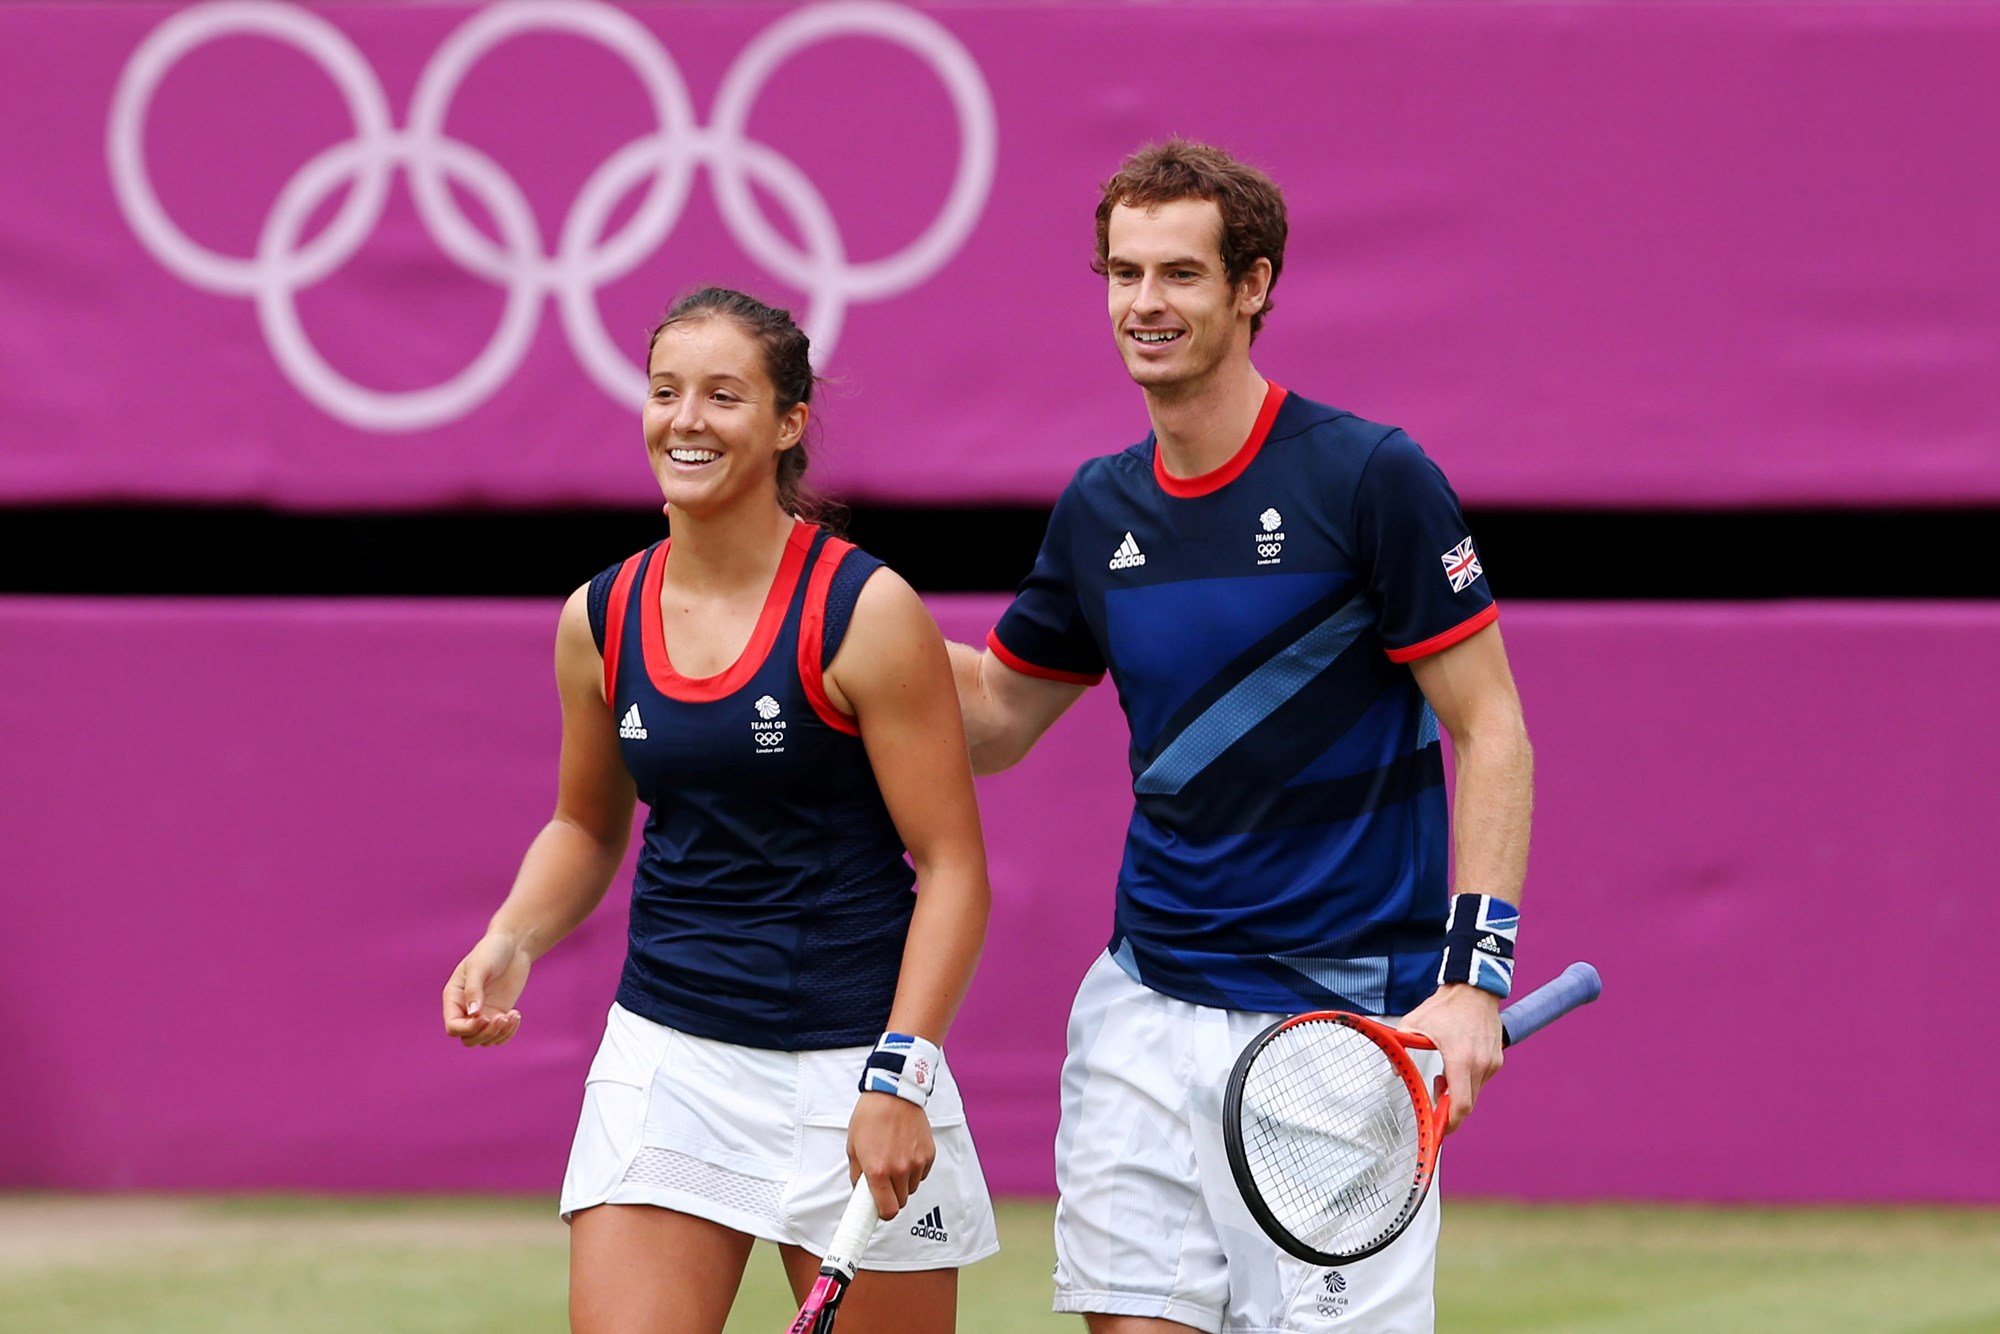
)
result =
(841, 595)
(854, 949)
(598, 603)
(679, 1171)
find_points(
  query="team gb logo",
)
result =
(768, 728)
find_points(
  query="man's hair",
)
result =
(1253, 210)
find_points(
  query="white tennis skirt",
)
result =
(757, 1141)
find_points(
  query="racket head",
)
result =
(1332, 1134)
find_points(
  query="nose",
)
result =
(687, 415)
(1149, 299)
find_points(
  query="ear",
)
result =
(1254, 288)
(792, 428)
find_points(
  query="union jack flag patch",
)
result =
(1461, 566)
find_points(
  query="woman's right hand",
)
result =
(479, 1000)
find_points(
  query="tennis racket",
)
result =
(857, 1225)
(1333, 1138)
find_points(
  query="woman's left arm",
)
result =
(893, 675)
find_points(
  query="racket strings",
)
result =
(1331, 1136)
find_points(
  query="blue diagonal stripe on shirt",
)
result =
(1365, 982)
(1253, 699)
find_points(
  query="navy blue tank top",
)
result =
(772, 896)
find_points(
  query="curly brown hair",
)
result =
(1253, 209)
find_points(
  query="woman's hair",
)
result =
(787, 361)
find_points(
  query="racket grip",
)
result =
(857, 1225)
(1576, 985)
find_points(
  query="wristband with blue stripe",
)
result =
(1479, 943)
(904, 1066)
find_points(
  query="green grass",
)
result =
(292, 1264)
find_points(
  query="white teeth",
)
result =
(693, 455)
(1157, 337)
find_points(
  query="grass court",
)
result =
(169, 1264)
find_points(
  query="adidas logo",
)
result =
(1127, 555)
(629, 727)
(1489, 944)
(931, 1226)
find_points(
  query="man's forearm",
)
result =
(984, 734)
(1492, 811)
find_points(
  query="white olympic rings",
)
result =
(584, 259)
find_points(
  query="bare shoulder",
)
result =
(573, 628)
(891, 641)
(889, 607)
(579, 665)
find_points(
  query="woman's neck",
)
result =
(727, 549)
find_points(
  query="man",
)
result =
(1290, 606)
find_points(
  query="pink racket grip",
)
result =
(850, 1239)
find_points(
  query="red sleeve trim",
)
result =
(1026, 668)
(1186, 487)
(614, 621)
(812, 637)
(1465, 629)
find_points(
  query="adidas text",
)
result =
(931, 1226)
(629, 727)
(1127, 555)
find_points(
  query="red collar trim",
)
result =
(704, 689)
(1208, 482)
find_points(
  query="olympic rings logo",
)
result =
(584, 259)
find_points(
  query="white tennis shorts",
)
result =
(757, 1141)
(1150, 1222)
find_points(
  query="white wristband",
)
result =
(903, 1065)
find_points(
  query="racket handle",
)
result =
(1577, 985)
(857, 1225)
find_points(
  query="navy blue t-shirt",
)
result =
(1288, 847)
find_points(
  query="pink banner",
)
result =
(400, 256)
(247, 841)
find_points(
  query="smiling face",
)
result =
(715, 426)
(1177, 317)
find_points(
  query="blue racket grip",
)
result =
(1577, 985)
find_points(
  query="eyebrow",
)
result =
(1183, 262)
(725, 375)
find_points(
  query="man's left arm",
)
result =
(1472, 692)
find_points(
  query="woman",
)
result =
(785, 707)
